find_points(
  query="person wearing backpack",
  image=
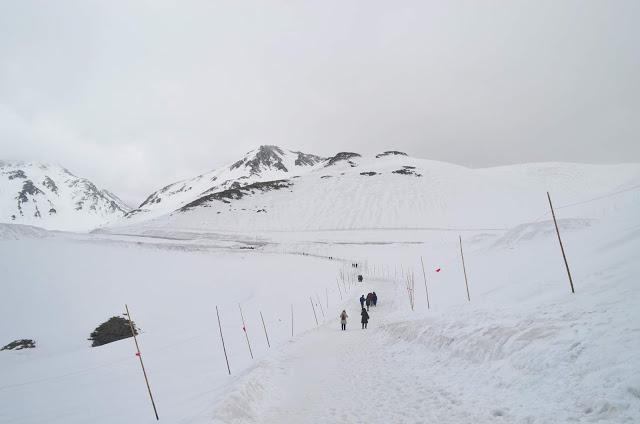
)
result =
(343, 320)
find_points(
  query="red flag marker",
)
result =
(244, 329)
(137, 353)
(438, 269)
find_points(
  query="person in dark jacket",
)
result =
(365, 318)
(374, 298)
(368, 300)
(362, 301)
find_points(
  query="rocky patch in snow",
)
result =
(342, 156)
(228, 195)
(20, 344)
(407, 170)
(114, 329)
(390, 153)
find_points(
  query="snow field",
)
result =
(57, 290)
(524, 350)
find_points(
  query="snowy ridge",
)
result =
(392, 190)
(49, 196)
(266, 163)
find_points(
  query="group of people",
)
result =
(370, 300)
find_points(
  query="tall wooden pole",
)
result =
(425, 283)
(139, 355)
(226, 358)
(265, 330)
(244, 328)
(314, 311)
(564, 256)
(466, 283)
(339, 289)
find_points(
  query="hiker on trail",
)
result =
(365, 318)
(367, 301)
(343, 320)
(374, 298)
(359, 278)
(362, 301)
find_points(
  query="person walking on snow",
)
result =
(368, 300)
(362, 301)
(365, 318)
(343, 320)
(374, 298)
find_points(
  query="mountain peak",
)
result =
(274, 158)
(265, 156)
(50, 196)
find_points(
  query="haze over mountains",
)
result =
(274, 189)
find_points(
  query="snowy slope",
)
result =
(350, 191)
(524, 350)
(49, 196)
(263, 164)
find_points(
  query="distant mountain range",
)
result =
(51, 197)
(274, 189)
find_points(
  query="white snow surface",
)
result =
(523, 350)
(49, 196)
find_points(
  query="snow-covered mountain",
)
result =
(272, 189)
(267, 163)
(51, 197)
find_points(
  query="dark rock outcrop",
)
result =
(342, 156)
(391, 153)
(116, 328)
(226, 196)
(20, 344)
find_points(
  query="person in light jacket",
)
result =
(343, 320)
(365, 318)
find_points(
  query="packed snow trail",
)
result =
(472, 364)
(331, 376)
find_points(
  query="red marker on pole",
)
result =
(438, 270)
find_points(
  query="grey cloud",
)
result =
(138, 94)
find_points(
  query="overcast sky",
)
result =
(137, 94)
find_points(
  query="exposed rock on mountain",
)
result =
(51, 197)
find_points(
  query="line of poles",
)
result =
(348, 280)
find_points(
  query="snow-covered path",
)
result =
(468, 365)
(329, 376)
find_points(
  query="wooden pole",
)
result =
(426, 289)
(244, 328)
(139, 355)
(564, 256)
(314, 311)
(466, 283)
(226, 358)
(265, 330)
(339, 289)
